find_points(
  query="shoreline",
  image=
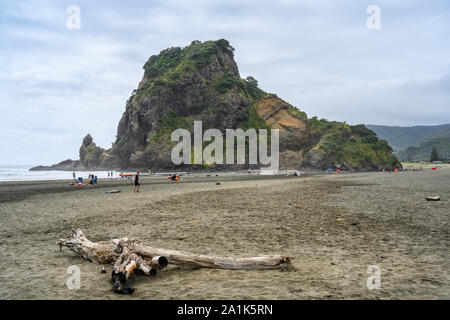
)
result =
(20, 190)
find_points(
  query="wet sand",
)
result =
(333, 226)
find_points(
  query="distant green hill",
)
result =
(444, 133)
(401, 138)
(422, 152)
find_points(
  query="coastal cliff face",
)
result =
(202, 82)
(292, 125)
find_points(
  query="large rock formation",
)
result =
(202, 82)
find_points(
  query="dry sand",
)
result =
(333, 226)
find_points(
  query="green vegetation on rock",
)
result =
(347, 146)
(227, 82)
(169, 123)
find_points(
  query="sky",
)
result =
(58, 83)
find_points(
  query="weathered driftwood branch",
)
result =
(99, 252)
(128, 262)
(201, 261)
(109, 251)
(130, 255)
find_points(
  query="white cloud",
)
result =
(58, 84)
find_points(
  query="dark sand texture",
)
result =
(332, 226)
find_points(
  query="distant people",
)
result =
(108, 174)
(174, 177)
(92, 179)
(74, 176)
(137, 185)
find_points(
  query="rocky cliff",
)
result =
(202, 82)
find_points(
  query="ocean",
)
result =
(22, 173)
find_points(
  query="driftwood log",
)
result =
(130, 255)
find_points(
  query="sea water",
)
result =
(22, 173)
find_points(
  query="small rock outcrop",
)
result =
(66, 165)
(92, 156)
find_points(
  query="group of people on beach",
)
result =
(173, 177)
(92, 179)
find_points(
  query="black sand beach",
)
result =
(332, 226)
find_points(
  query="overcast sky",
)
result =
(57, 84)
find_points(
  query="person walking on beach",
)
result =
(74, 175)
(137, 185)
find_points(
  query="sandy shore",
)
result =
(332, 226)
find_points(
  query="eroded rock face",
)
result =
(291, 123)
(316, 158)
